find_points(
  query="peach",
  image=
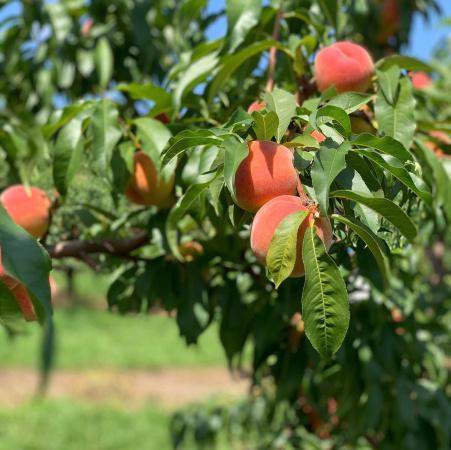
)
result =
(389, 21)
(345, 65)
(267, 172)
(146, 186)
(420, 80)
(191, 250)
(318, 136)
(28, 208)
(21, 295)
(442, 137)
(256, 106)
(163, 118)
(268, 218)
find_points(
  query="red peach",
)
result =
(163, 118)
(318, 136)
(29, 209)
(345, 65)
(420, 80)
(267, 172)
(146, 186)
(256, 106)
(268, 218)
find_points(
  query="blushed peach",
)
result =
(420, 80)
(318, 136)
(146, 186)
(269, 217)
(345, 65)
(267, 172)
(28, 208)
(256, 106)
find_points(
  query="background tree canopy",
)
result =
(350, 356)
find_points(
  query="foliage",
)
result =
(386, 192)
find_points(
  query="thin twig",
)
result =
(273, 51)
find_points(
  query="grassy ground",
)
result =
(99, 339)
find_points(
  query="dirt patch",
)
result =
(172, 388)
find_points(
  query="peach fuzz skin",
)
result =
(146, 187)
(345, 65)
(29, 209)
(318, 136)
(267, 172)
(420, 80)
(20, 293)
(256, 106)
(268, 218)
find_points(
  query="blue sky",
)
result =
(424, 37)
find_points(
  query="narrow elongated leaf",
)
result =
(403, 62)
(10, 313)
(197, 72)
(384, 144)
(335, 113)
(185, 140)
(328, 163)
(25, 259)
(265, 125)
(105, 134)
(325, 304)
(371, 240)
(397, 120)
(234, 153)
(231, 63)
(178, 211)
(350, 101)
(283, 249)
(388, 81)
(67, 155)
(104, 61)
(241, 17)
(384, 207)
(283, 103)
(149, 91)
(398, 172)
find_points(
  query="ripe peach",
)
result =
(29, 209)
(268, 218)
(163, 118)
(420, 80)
(20, 293)
(256, 106)
(389, 21)
(146, 186)
(318, 136)
(267, 172)
(442, 137)
(345, 65)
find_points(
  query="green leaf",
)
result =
(182, 206)
(324, 114)
(350, 101)
(67, 155)
(185, 140)
(265, 125)
(105, 135)
(10, 313)
(65, 117)
(384, 144)
(388, 81)
(384, 207)
(283, 249)
(330, 8)
(283, 104)
(328, 163)
(241, 17)
(325, 304)
(397, 120)
(230, 63)
(403, 62)
(398, 172)
(104, 61)
(149, 91)
(25, 259)
(371, 240)
(197, 72)
(234, 154)
(302, 140)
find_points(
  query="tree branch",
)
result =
(80, 249)
(273, 51)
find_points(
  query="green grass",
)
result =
(69, 425)
(88, 339)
